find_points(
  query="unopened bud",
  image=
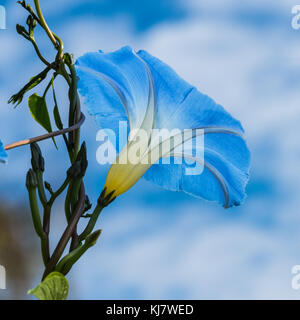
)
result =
(48, 187)
(92, 238)
(74, 170)
(37, 160)
(31, 22)
(21, 30)
(79, 167)
(31, 180)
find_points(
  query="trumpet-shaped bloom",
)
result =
(138, 88)
(3, 155)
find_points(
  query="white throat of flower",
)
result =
(123, 174)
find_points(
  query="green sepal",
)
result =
(54, 287)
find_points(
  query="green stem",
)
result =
(59, 191)
(75, 193)
(46, 219)
(65, 74)
(47, 216)
(67, 234)
(44, 23)
(49, 204)
(41, 189)
(92, 222)
(49, 85)
(41, 21)
(39, 53)
(45, 250)
(38, 225)
(60, 46)
(68, 203)
(74, 112)
(35, 213)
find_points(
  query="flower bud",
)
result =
(21, 30)
(31, 180)
(37, 160)
(48, 187)
(92, 239)
(31, 22)
(79, 167)
(74, 170)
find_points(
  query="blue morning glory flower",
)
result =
(138, 88)
(3, 155)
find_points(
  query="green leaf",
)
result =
(39, 111)
(54, 287)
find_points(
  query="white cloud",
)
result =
(203, 260)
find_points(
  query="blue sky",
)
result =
(158, 244)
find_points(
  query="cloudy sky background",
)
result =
(158, 244)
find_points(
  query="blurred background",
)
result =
(158, 244)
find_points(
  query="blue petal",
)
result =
(116, 87)
(227, 158)
(224, 175)
(3, 155)
(182, 106)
